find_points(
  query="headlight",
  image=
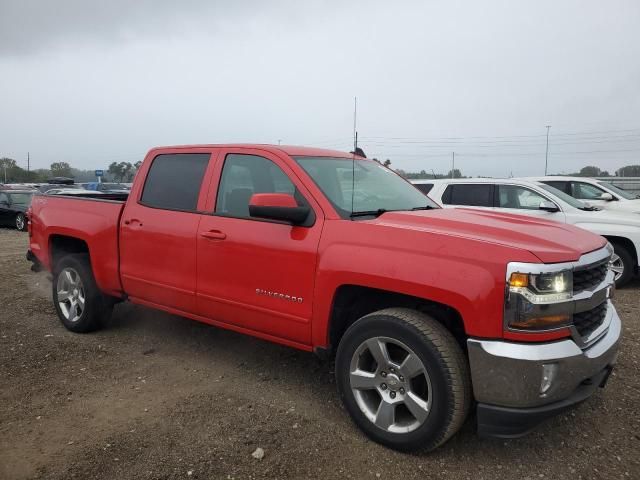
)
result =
(543, 287)
(538, 301)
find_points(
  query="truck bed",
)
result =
(91, 218)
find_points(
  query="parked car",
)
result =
(13, 207)
(429, 311)
(537, 199)
(76, 190)
(44, 188)
(106, 187)
(595, 192)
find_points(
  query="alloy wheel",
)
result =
(20, 222)
(70, 294)
(617, 266)
(390, 384)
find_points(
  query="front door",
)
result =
(257, 274)
(158, 231)
(522, 200)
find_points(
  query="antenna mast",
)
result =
(355, 117)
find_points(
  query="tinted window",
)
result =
(475, 195)
(174, 181)
(585, 191)
(512, 196)
(244, 175)
(4, 198)
(560, 185)
(424, 187)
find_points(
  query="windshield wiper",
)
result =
(368, 213)
(426, 207)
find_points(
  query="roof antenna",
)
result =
(355, 151)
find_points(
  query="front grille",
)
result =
(589, 277)
(587, 322)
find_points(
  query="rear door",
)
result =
(159, 226)
(253, 273)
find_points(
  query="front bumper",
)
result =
(518, 384)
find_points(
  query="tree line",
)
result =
(11, 172)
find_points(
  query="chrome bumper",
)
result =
(513, 374)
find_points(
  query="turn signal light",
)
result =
(519, 280)
(552, 321)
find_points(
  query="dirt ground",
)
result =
(158, 396)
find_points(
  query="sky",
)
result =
(92, 82)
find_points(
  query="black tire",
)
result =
(21, 222)
(628, 263)
(97, 307)
(441, 356)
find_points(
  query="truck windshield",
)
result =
(374, 190)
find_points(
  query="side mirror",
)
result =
(607, 197)
(278, 206)
(548, 206)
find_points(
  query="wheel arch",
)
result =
(626, 243)
(351, 302)
(62, 245)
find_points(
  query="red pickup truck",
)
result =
(429, 311)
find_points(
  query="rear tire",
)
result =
(623, 264)
(411, 402)
(80, 304)
(21, 222)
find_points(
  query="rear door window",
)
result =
(174, 181)
(470, 194)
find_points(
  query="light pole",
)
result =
(546, 155)
(453, 164)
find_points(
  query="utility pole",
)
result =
(453, 163)
(279, 141)
(28, 163)
(546, 156)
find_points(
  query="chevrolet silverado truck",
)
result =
(429, 312)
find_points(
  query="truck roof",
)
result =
(292, 150)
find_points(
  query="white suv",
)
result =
(541, 200)
(596, 192)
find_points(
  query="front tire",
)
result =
(404, 379)
(80, 304)
(21, 222)
(622, 264)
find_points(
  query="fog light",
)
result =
(549, 371)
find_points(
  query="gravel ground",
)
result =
(158, 396)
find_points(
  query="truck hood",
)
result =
(551, 242)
